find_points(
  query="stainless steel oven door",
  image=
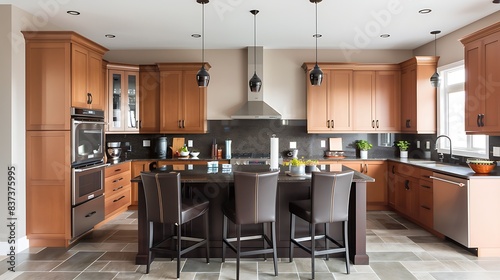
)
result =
(87, 141)
(87, 183)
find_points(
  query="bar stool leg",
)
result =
(264, 233)
(207, 244)
(238, 247)
(275, 253)
(178, 251)
(150, 235)
(346, 245)
(292, 235)
(224, 237)
(313, 248)
(327, 232)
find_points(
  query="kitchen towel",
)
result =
(274, 153)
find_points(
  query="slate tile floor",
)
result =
(397, 248)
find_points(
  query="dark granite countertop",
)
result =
(223, 174)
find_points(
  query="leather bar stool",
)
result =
(165, 205)
(329, 203)
(254, 203)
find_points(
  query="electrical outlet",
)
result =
(418, 144)
(323, 144)
(190, 143)
(146, 143)
(427, 145)
(293, 145)
(496, 151)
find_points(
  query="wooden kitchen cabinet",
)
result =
(86, 79)
(425, 199)
(391, 173)
(482, 87)
(123, 98)
(62, 68)
(376, 192)
(418, 97)
(149, 96)
(376, 99)
(406, 195)
(183, 105)
(137, 166)
(328, 105)
(117, 189)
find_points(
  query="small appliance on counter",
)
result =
(114, 151)
(161, 147)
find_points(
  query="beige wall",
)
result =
(449, 47)
(283, 78)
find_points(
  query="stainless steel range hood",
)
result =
(255, 107)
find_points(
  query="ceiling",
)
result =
(281, 24)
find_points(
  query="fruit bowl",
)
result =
(195, 154)
(184, 154)
(481, 166)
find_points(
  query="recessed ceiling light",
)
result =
(109, 36)
(425, 11)
(196, 35)
(73, 13)
(385, 35)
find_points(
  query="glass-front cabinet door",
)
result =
(123, 101)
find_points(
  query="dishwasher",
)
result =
(451, 207)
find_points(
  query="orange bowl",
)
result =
(482, 168)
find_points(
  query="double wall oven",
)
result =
(87, 169)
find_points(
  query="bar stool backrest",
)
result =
(162, 192)
(255, 197)
(330, 196)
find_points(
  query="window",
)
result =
(452, 115)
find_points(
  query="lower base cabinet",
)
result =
(376, 192)
(117, 189)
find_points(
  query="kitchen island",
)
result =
(214, 184)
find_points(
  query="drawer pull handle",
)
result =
(118, 180)
(119, 188)
(427, 187)
(425, 207)
(116, 200)
(118, 170)
(90, 214)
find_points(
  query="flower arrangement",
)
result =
(403, 145)
(363, 145)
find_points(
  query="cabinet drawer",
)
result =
(117, 201)
(87, 215)
(116, 183)
(425, 174)
(408, 170)
(117, 168)
(425, 211)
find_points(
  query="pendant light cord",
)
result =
(435, 48)
(254, 43)
(203, 36)
(316, 34)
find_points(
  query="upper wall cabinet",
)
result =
(354, 98)
(418, 97)
(149, 95)
(63, 69)
(482, 86)
(376, 99)
(123, 98)
(183, 104)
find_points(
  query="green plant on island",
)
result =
(363, 145)
(184, 149)
(403, 145)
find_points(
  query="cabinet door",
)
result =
(362, 100)
(474, 99)
(137, 167)
(170, 101)
(149, 93)
(317, 106)
(406, 191)
(376, 192)
(131, 106)
(339, 100)
(425, 203)
(86, 80)
(387, 101)
(194, 104)
(115, 103)
(391, 185)
(409, 99)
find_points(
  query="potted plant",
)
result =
(297, 166)
(310, 165)
(403, 146)
(363, 146)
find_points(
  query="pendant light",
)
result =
(316, 75)
(435, 77)
(255, 82)
(202, 77)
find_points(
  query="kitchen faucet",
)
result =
(441, 157)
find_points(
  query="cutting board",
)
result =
(177, 143)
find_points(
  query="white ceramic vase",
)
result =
(298, 170)
(363, 154)
(403, 154)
